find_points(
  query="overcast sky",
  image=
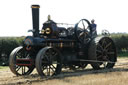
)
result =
(16, 17)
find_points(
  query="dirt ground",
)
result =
(116, 76)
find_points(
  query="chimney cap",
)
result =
(35, 6)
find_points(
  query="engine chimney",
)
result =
(35, 18)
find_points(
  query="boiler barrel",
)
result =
(35, 18)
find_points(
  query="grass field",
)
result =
(116, 76)
(3, 67)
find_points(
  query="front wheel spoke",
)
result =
(53, 66)
(55, 54)
(50, 53)
(18, 68)
(47, 71)
(46, 56)
(18, 55)
(44, 62)
(22, 70)
(44, 69)
(52, 69)
(44, 66)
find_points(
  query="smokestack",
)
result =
(35, 19)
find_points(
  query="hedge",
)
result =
(121, 41)
(7, 44)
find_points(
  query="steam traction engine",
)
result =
(55, 47)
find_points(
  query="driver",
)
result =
(93, 26)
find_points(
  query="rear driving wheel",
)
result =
(103, 51)
(48, 62)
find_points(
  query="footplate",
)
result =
(24, 62)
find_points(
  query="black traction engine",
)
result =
(55, 47)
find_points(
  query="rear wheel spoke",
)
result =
(112, 53)
(100, 46)
(100, 56)
(103, 42)
(109, 44)
(99, 51)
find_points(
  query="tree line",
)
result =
(7, 44)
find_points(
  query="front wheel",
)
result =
(48, 62)
(19, 53)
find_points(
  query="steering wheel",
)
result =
(83, 31)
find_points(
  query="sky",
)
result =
(16, 15)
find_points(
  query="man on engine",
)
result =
(93, 26)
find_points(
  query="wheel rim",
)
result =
(16, 69)
(106, 52)
(49, 63)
